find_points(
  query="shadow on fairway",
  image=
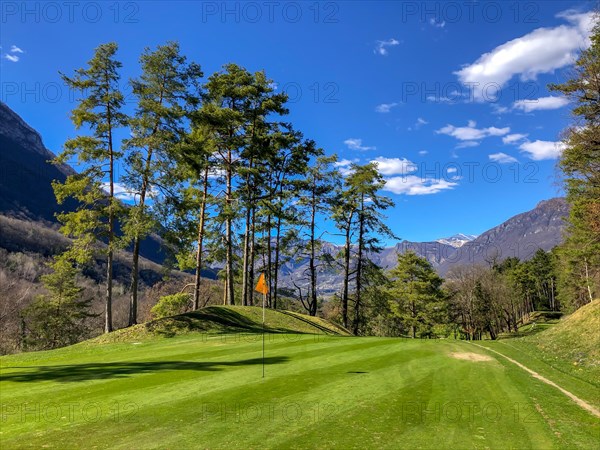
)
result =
(100, 371)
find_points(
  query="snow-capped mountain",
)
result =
(457, 240)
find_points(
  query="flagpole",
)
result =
(263, 336)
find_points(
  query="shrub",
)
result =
(171, 305)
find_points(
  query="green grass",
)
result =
(223, 319)
(205, 390)
(570, 346)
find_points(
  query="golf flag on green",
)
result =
(261, 286)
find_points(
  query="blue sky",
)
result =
(449, 97)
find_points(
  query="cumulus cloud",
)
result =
(394, 166)
(471, 132)
(540, 104)
(385, 107)
(356, 144)
(15, 49)
(415, 185)
(541, 51)
(512, 138)
(343, 165)
(540, 150)
(502, 158)
(11, 58)
(381, 47)
(423, 152)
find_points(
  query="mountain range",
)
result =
(26, 193)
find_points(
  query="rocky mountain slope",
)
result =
(26, 176)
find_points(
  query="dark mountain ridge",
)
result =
(26, 176)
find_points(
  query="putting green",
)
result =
(201, 391)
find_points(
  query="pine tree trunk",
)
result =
(269, 263)
(276, 272)
(111, 235)
(136, 246)
(346, 277)
(312, 268)
(134, 282)
(197, 280)
(229, 234)
(359, 262)
(252, 256)
(245, 263)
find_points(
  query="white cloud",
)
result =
(497, 109)
(12, 58)
(541, 51)
(381, 47)
(385, 107)
(420, 122)
(540, 150)
(542, 103)
(394, 166)
(467, 144)
(15, 49)
(415, 185)
(436, 23)
(344, 166)
(512, 138)
(343, 162)
(423, 152)
(502, 158)
(452, 169)
(121, 192)
(356, 144)
(471, 133)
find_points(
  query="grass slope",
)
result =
(224, 319)
(201, 390)
(570, 346)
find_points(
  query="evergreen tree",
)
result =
(416, 296)
(166, 91)
(99, 111)
(57, 319)
(315, 198)
(580, 164)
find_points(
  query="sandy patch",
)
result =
(471, 356)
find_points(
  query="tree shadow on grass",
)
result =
(102, 371)
(210, 319)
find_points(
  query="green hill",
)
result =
(225, 320)
(570, 345)
(576, 338)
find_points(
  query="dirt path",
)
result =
(582, 403)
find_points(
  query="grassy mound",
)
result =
(575, 338)
(571, 345)
(225, 319)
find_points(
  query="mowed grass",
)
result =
(201, 391)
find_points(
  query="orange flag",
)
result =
(261, 286)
